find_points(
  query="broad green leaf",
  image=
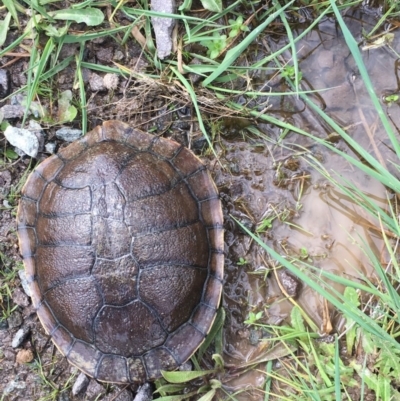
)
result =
(90, 16)
(389, 363)
(183, 377)
(170, 388)
(4, 28)
(212, 5)
(10, 154)
(296, 320)
(351, 296)
(66, 111)
(208, 396)
(219, 361)
(177, 397)
(51, 30)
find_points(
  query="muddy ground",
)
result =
(260, 178)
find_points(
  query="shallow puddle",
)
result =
(304, 215)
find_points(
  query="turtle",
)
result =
(121, 235)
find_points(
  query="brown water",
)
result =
(311, 217)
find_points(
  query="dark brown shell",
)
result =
(122, 240)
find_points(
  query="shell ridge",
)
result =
(66, 280)
(179, 150)
(170, 188)
(151, 265)
(173, 227)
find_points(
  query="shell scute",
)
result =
(34, 187)
(185, 164)
(165, 147)
(113, 368)
(184, 342)
(202, 185)
(49, 168)
(85, 357)
(156, 360)
(27, 212)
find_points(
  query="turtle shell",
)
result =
(122, 240)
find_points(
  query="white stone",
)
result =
(23, 139)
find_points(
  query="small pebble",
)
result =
(118, 395)
(23, 139)
(24, 356)
(17, 100)
(3, 325)
(94, 390)
(15, 320)
(63, 396)
(145, 393)
(195, 78)
(69, 134)
(4, 83)
(35, 127)
(289, 282)
(6, 204)
(50, 147)
(20, 298)
(9, 354)
(24, 282)
(254, 337)
(20, 337)
(105, 54)
(8, 112)
(111, 81)
(118, 55)
(5, 181)
(80, 384)
(96, 83)
(186, 367)
(124, 395)
(13, 385)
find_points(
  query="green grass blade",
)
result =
(378, 171)
(338, 393)
(35, 72)
(4, 24)
(34, 4)
(12, 10)
(193, 96)
(14, 44)
(273, 56)
(363, 320)
(353, 46)
(82, 92)
(91, 36)
(235, 52)
(294, 53)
